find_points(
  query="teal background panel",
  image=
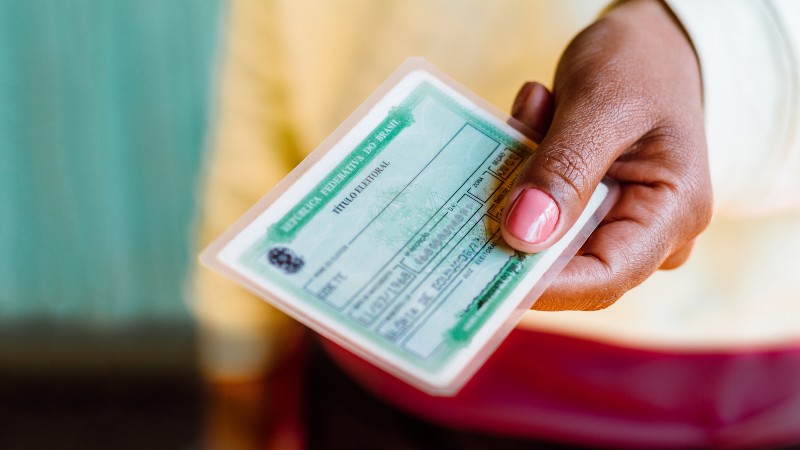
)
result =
(104, 106)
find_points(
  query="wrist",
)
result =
(655, 19)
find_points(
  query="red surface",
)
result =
(578, 391)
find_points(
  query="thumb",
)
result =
(587, 134)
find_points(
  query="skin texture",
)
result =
(627, 103)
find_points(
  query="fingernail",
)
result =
(533, 216)
(532, 107)
(521, 100)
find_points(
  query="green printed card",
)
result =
(387, 238)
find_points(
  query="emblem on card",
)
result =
(285, 259)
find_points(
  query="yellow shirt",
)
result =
(292, 70)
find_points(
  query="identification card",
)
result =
(386, 239)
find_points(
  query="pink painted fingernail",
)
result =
(533, 216)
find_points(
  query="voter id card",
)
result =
(386, 239)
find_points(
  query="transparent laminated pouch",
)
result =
(386, 238)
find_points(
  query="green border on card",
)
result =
(290, 224)
(399, 118)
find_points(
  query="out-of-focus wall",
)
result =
(103, 113)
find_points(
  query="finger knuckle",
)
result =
(569, 166)
(612, 284)
(674, 261)
(693, 203)
(603, 301)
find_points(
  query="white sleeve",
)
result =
(749, 54)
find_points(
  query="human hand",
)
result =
(627, 103)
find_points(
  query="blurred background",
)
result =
(104, 110)
(133, 132)
(107, 111)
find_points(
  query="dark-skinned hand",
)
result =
(626, 103)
